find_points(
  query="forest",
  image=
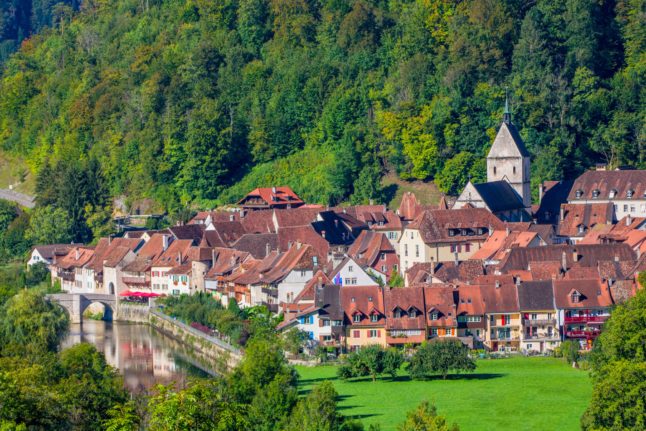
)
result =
(196, 102)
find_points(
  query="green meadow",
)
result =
(518, 393)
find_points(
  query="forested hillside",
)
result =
(201, 100)
(19, 19)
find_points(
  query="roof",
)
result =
(508, 143)
(258, 245)
(306, 235)
(441, 299)
(50, 251)
(594, 293)
(434, 225)
(226, 261)
(110, 252)
(337, 228)
(554, 193)
(365, 300)
(446, 272)
(174, 255)
(404, 299)
(500, 297)
(546, 270)
(295, 217)
(409, 207)
(502, 240)
(259, 221)
(499, 196)
(77, 257)
(618, 184)
(536, 295)
(271, 197)
(579, 218)
(193, 232)
(367, 248)
(586, 255)
(470, 300)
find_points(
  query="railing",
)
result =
(140, 281)
(532, 322)
(67, 276)
(587, 333)
(510, 338)
(585, 319)
(541, 336)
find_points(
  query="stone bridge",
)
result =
(76, 303)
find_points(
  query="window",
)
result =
(494, 170)
(632, 208)
(373, 333)
(374, 318)
(416, 250)
(453, 248)
(625, 208)
(383, 256)
(384, 269)
(325, 322)
(612, 194)
(467, 247)
(356, 334)
(534, 316)
(576, 297)
(175, 292)
(549, 316)
(514, 169)
(397, 314)
(352, 299)
(412, 314)
(337, 323)
(303, 273)
(434, 315)
(529, 346)
(412, 235)
(595, 193)
(370, 299)
(451, 232)
(395, 267)
(356, 318)
(350, 268)
(629, 193)
(433, 331)
(405, 249)
(579, 193)
(353, 280)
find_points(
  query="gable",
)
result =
(507, 143)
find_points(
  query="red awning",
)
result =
(140, 294)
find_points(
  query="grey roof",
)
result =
(499, 196)
(517, 139)
(536, 295)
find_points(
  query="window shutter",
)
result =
(378, 333)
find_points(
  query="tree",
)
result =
(29, 324)
(570, 351)
(123, 417)
(8, 213)
(371, 361)
(49, 225)
(393, 360)
(317, 411)
(440, 357)
(425, 418)
(395, 280)
(270, 408)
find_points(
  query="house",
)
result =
(444, 272)
(221, 234)
(445, 235)
(373, 249)
(350, 273)
(441, 311)
(338, 229)
(405, 316)
(500, 242)
(378, 218)
(551, 194)
(624, 189)
(364, 316)
(540, 328)
(471, 316)
(110, 251)
(136, 275)
(577, 220)
(224, 262)
(66, 269)
(270, 198)
(174, 256)
(508, 159)
(48, 254)
(583, 307)
(499, 197)
(502, 313)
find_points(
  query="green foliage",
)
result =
(425, 418)
(396, 279)
(371, 361)
(317, 411)
(31, 325)
(440, 357)
(8, 213)
(294, 340)
(49, 225)
(122, 417)
(14, 242)
(186, 100)
(618, 362)
(569, 350)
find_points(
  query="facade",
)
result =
(502, 314)
(471, 318)
(539, 317)
(350, 273)
(365, 319)
(441, 312)
(405, 321)
(499, 197)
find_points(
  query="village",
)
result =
(487, 268)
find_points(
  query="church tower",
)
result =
(508, 159)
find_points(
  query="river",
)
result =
(144, 356)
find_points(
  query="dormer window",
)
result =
(352, 299)
(595, 193)
(433, 315)
(374, 318)
(412, 314)
(356, 318)
(370, 299)
(581, 228)
(612, 194)
(451, 232)
(397, 314)
(576, 297)
(579, 193)
(629, 193)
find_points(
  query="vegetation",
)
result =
(371, 361)
(425, 418)
(479, 401)
(197, 102)
(618, 362)
(440, 357)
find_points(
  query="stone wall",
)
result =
(212, 352)
(132, 313)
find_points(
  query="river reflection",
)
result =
(144, 356)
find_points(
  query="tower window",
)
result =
(514, 169)
(494, 170)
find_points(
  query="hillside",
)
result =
(197, 102)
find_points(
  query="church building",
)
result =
(507, 190)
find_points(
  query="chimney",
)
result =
(564, 261)
(109, 239)
(319, 281)
(629, 220)
(298, 245)
(575, 255)
(540, 192)
(517, 280)
(179, 257)
(231, 217)
(268, 248)
(562, 214)
(77, 254)
(497, 284)
(323, 233)
(273, 190)
(165, 239)
(242, 213)
(432, 268)
(507, 231)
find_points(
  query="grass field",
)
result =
(502, 394)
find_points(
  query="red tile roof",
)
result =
(364, 300)
(434, 226)
(404, 299)
(594, 293)
(368, 246)
(441, 299)
(272, 197)
(621, 182)
(580, 218)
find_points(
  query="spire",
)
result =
(506, 116)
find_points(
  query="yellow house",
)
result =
(445, 235)
(502, 314)
(540, 330)
(364, 316)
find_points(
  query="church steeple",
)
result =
(506, 116)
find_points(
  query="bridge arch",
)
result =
(76, 303)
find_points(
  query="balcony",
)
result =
(539, 322)
(586, 319)
(503, 338)
(553, 336)
(585, 333)
(67, 276)
(269, 291)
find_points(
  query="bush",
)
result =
(371, 361)
(440, 357)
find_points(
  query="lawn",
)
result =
(502, 394)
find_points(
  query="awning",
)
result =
(140, 294)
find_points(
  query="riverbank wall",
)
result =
(209, 351)
(132, 313)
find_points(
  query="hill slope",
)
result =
(199, 101)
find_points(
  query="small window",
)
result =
(514, 169)
(629, 193)
(356, 318)
(595, 193)
(350, 268)
(412, 314)
(383, 256)
(612, 194)
(494, 170)
(434, 315)
(374, 318)
(579, 193)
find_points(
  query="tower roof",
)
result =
(508, 143)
